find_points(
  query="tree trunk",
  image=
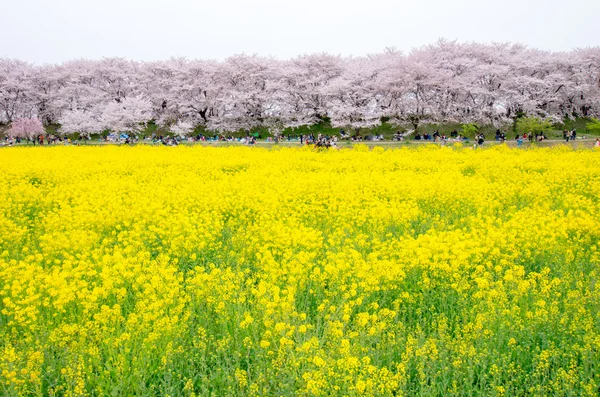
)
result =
(203, 114)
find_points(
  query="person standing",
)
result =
(480, 140)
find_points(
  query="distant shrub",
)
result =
(469, 129)
(594, 127)
(533, 124)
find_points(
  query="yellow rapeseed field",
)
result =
(234, 271)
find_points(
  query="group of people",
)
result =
(41, 140)
(165, 140)
(176, 140)
(569, 135)
(320, 140)
(530, 136)
(398, 136)
(479, 138)
(437, 137)
(357, 137)
(9, 141)
(324, 141)
(500, 136)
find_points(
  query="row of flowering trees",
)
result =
(443, 82)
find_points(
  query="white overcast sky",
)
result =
(52, 31)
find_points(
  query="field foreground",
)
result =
(245, 271)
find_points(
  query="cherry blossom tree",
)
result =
(249, 93)
(26, 128)
(15, 90)
(77, 88)
(44, 86)
(127, 115)
(308, 80)
(352, 99)
(185, 90)
(446, 81)
(84, 122)
(182, 128)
